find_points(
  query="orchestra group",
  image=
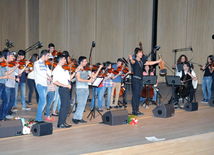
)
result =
(51, 74)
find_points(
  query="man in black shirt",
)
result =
(137, 82)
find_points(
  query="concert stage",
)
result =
(184, 133)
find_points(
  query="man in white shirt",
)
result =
(62, 79)
(41, 74)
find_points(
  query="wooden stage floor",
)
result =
(192, 129)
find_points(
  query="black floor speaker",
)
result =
(191, 106)
(164, 110)
(42, 129)
(211, 102)
(10, 128)
(116, 117)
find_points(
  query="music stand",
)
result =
(180, 67)
(149, 80)
(95, 84)
(173, 81)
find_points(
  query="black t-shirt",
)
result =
(207, 72)
(138, 68)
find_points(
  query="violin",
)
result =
(3, 63)
(163, 70)
(50, 63)
(71, 68)
(55, 52)
(11, 63)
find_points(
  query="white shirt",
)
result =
(31, 75)
(61, 75)
(40, 72)
(180, 73)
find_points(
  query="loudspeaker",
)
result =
(191, 106)
(164, 110)
(10, 128)
(116, 117)
(211, 102)
(42, 129)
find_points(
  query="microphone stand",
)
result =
(36, 45)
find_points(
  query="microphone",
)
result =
(213, 36)
(93, 44)
(191, 48)
(39, 45)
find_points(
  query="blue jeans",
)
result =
(102, 92)
(42, 90)
(23, 90)
(10, 99)
(50, 99)
(57, 100)
(206, 87)
(3, 95)
(82, 96)
(31, 84)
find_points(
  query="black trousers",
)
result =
(137, 86)
(65, 104)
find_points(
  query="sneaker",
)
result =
(48, 118)
(26, 108)
(15, 109)
(9, 116)
(204, 101)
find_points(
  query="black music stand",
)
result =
(173, 81)
(149, 80)
(95, 84)
(180, 67)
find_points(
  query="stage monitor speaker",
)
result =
(10, 128)
(164, 110)
(42, 129)
(116, 117)
(211, 102)
(191, 106)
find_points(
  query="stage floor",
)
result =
(94, 136)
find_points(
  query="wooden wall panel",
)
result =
(200, 28)
(33, 25)
(120, 26)
(110, 30)
(81, 27)
(53, 23)
(171, 33)
(12, 27)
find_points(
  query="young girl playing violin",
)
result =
(31, 80)
(181, 60)
(207, 79)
